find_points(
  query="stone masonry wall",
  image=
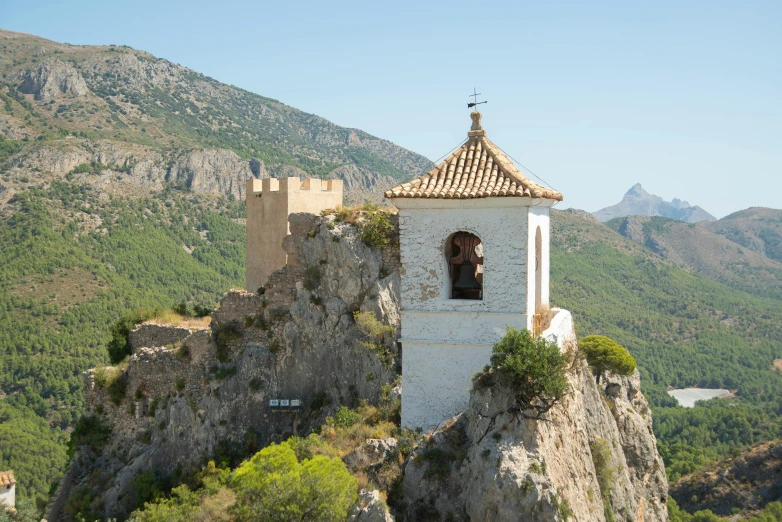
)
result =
(150, 334)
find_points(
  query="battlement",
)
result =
(257, 187)
(269, 203)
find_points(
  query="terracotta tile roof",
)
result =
(7, 479)
(477, 169)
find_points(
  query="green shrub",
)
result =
(369, 325)
(439, 463)
(118, 388)
(604, 354)
(224, 333)
(606, 473)
(312, 277)
(344, 418)
(376, 228)
(149, 487)
(534, 367)
(90, 432)
(274, 485)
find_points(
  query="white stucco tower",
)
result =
(474, 238)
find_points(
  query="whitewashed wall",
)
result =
(436, 381)
(538, 217)
(504, 234)
(8, 495)
(446, 341)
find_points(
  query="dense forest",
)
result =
(684, 330)
(71, 263)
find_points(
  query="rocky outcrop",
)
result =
(362, 185)
(493, 463)
(371, 453)
(217, 171)
(52, 78)
(370, 508)
(210, 393)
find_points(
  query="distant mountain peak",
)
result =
(637, 201)
(636, 191)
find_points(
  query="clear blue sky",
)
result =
(684, 97)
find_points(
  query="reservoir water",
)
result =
(688, 396)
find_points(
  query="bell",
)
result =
(467, 279)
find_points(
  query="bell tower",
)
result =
(474, 239)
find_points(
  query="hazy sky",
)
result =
(684, 97)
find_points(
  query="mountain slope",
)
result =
(749, 480)
(638, 202)
(698, 249)
(146, 120)
(756, 228)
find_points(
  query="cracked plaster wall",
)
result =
(446, 341)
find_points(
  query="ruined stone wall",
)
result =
(152, 334)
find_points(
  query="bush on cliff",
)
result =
(535, 368)
(274, 485)
(376, 228)
(604, 354)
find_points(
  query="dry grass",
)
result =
(215, 507)
(346, 439)
(777, 365)
(544, 310)
(169, 317)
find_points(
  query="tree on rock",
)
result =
(273, 485)
(604, 354)
(535, 368)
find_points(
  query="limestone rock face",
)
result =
(296, 341)
(491, 463)
(216, 171)
(52, 78)
(371, 453)
(370, 508)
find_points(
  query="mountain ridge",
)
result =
(151, 122)
(638, 201)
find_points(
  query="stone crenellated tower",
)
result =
(474, 239)
(269, 203)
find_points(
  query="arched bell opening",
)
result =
(464, 258)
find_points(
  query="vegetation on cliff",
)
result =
(605, 355)
(534, 367)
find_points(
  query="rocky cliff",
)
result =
(209, 393)
(593, 458)
(638, 202)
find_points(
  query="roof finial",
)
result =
(476, 131)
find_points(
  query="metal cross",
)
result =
(475, 101)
